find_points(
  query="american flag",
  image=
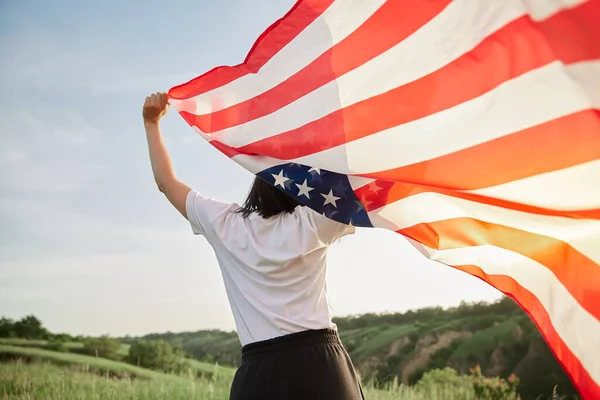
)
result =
(470, 127)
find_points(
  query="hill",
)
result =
(34, 373)
(43, 351)
(499, 337)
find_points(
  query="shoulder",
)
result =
(327, 229)
(204, 212)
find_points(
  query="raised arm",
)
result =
(155, 107)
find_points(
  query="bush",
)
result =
(104, 346)
(470, 386)
(57, 345)
(494, 388)
(60, 337)
(157, 355)
(446, 377)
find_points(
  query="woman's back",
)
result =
(273, 254)
(273, 268)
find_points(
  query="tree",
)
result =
(155, 354)
(61, 337)
(30, 327)
(103, 346)
(7, 327)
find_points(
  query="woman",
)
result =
(272, 254)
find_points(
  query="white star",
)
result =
(359, 205)
(317, 170)
(304, 189)
(280, 179)
(330, 198)
(374, 188)
(365, 202)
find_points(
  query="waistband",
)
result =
(290, 342)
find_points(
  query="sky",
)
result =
(87, 242)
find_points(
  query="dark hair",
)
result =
(267, 201)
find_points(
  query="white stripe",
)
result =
(433, 46)
(581, 234)
(337, 22)
(579, 330)
(533, 98)
(573, 188)
(255, 164)
(334, 25)
(358, 181)
(587, 75)
(543, 9)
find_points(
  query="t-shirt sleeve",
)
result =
(203, 213)
(329, 230)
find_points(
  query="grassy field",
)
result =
(486, 340)
(107, 367)
(382, 338)
(51, 382)
(30, 373)
(91, 364)
(38, 343)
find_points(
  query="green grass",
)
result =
(39, 343)
(34, 349)
(486, 340)
(115, 368)
(23, 342)
(51, 382)
(32, 373)
(43, 374)
(43, 344)
(382, 340)
(364, 333)
(96, 364)
(124, 350)
(209, 368)
(447, 325)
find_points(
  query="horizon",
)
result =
(87, 243)
(349, 316)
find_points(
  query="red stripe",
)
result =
(574, 34)
(393, 22)
(273, 39)
(515, 49)
(223, 148)
(394, 191)
(558, 144)
(579, 274)
(587, 387)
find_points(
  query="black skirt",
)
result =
(307, 365)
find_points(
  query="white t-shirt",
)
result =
(273, 269)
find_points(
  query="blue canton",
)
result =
(326, 192)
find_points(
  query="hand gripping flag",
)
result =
(469, 127)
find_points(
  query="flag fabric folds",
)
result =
(470, 127)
